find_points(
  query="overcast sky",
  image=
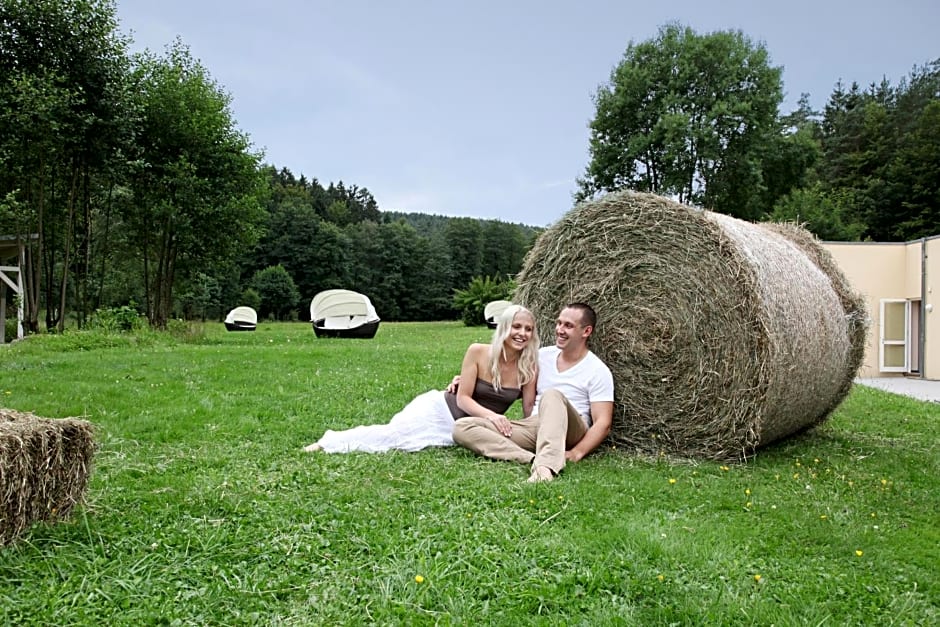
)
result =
(480, 107)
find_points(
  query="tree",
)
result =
(350, 205)
(914, 181)
(65, 128)
(406, 257)
(198, 189)
(391, 266)
(791, 154)
(202, 297)
(504, 248)
(279, 295)
(465, 241)
(315, 253)
(881, 149)
(250, 298)
(686, 115)
(825, 214)
(365, 266)
(435, 298)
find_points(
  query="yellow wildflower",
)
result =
(859, 552)
(672, 480)
(419, 579)
(757, 578)
(660, 577)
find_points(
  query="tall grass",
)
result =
(204, 510)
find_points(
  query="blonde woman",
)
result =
(493, 376)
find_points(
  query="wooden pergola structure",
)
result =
(12, 262)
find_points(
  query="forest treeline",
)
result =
(129, 184)
(409, 264)
(697, 117)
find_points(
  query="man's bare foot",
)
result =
(313, 448)
(541, 473)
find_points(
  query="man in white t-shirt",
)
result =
(574, 405)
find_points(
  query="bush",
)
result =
(482, 290)
(124, 319)
(187, 332)
(9, 333)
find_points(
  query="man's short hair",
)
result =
(588, 315)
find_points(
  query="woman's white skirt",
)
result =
(425, 421)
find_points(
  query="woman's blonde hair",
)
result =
(528, 359)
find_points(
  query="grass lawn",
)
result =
(203, 509)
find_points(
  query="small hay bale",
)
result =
(44, 469)
(722, 335)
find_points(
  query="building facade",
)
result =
(899, 282)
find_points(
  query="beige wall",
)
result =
(912, 283)
(877, 271)
(932, 310)
(893, 270)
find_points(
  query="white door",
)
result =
(894, 355)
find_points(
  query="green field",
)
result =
(203, 509)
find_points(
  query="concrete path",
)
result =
(921, 389)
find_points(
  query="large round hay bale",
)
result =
(44, 469)
(722, 335)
